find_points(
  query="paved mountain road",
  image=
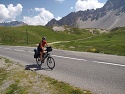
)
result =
(100, 73)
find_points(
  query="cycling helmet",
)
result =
(43, 38)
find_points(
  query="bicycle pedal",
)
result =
(42, 61)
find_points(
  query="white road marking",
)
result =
(30, 51)
(106, 63)
(19, 50)
(8, 48)
(70, 58)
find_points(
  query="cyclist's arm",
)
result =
(47, 44)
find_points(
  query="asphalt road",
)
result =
(100, 73)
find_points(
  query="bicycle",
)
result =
(46, 56)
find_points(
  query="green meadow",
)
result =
(33, 34)
(111, 43)
(74, 39)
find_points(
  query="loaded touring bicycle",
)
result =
(46, 56)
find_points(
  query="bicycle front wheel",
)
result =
(50, 62)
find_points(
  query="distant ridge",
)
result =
(111, 15)
(13, 23)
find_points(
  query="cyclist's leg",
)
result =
(41, 53)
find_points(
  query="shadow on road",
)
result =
(35, 67)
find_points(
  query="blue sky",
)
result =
(39, 12)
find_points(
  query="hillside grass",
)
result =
(111, 43)
(78, 39)
(15, 80)
(34, 34)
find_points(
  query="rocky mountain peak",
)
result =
(13, 23)
(114, 4)
(111, 15)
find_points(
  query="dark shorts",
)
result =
(40, 50)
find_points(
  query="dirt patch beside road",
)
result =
(14, 79)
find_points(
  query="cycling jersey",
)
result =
(43, 43)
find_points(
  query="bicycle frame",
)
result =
(46, 55)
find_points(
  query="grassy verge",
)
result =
(15, 80)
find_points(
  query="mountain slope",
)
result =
(31, 35)
(111, 15)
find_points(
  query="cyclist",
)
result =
(41, 46)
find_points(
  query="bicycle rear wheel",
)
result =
(38, 61)
(50, 62)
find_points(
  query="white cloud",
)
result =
(10, 12)
(60, 0)
(36, 20)
(41, 19)
(87, 4)
(71, 8)
(58, 18)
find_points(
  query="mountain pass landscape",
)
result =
(88, 41)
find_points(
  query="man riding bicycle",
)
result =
(41, 46)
